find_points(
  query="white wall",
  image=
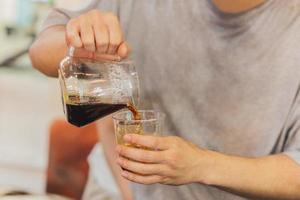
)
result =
(8, 11)
(28, 103)
(72, 4)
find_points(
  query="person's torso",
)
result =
(226, 82)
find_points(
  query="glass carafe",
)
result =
(93, 89)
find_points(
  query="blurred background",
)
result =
(30, 106)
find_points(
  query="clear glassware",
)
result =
(92, 89)
(150, 123)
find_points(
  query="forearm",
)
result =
(271, 177)
(180, 162)
(48, 50)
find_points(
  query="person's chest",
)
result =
(217, 81)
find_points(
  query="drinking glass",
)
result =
(150, 123)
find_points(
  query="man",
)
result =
(229, 82)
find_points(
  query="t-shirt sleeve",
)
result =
(59, 16)
(292, 143)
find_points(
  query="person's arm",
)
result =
(270, 177)
(48, 50)
(106, 129)
(180, 162)
(95, 34)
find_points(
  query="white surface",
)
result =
(34, 197)
(72, 4)
(101, 172)
(28, 103)
(12, 44)
(25, 178)
(8, 11)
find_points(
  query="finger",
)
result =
(106, 57)
(124, 50)
(115, 33)
(83, 53)
(73, 35)
(101, 37)
(87, 36)
(140, 168)
(140, 155)
(147, 180)
(152, 142)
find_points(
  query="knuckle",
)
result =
(102, 47)
(112, 46)
(146, 169)
(88, 44)
(174, 138)
(73, 22)
(95, 12)
(115, 43)
(134, 139)
(164, 157)
(71, 35)
(124, 163)
(175, 141)
(129, 152)
(110, 16)
(131, 177)
(162, 179)
(102, 42)
(160, 170)
(102, 29)
(81, 19)
(156, 142)
(140, 156)
(147, 182)
(121, 152)
(116, 39)
(147, 157)
(172, 159)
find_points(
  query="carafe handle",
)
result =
(71, 51)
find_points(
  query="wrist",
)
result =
(211, 164)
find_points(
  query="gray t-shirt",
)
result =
(227, 82)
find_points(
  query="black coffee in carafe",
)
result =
(81, 113)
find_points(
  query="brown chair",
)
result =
(69, 148)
